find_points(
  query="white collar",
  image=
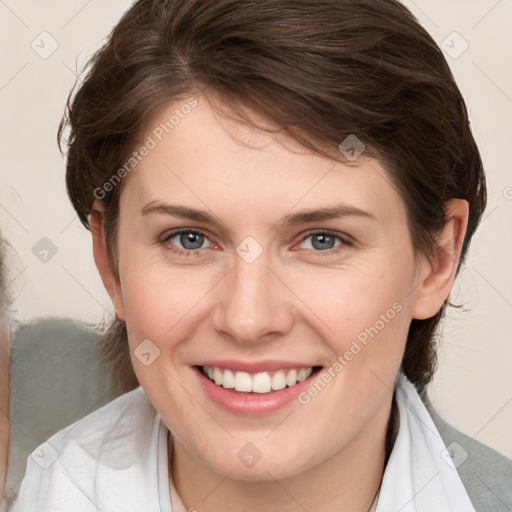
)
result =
(420, 475)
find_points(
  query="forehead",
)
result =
(207, 160)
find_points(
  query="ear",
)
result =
(99, 246)
(436, 276)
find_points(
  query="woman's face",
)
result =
(264, 264)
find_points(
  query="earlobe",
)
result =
(101, 258)
(436, 276)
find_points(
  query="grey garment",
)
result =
(485, 473)
(58, 375)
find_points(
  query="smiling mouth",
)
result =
(257, 383)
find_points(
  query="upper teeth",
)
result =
(259, 382)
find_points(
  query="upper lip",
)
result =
(254, 366)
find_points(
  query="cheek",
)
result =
(358, 303)
(160, 302)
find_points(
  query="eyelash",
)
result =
(345, 242)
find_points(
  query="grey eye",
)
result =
(191, 240)
(188, 240)
(321, 241)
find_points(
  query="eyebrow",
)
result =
(332, 212)
(291, 219)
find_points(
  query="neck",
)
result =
(349, 480)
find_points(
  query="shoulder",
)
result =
(58, 375)
(101, 461)
(485, 473)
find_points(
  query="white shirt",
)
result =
(116, 460)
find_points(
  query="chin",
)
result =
(251, 465)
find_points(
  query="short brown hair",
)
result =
(320, 69)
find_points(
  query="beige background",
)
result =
(473, 387)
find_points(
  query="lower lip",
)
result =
(252, 404)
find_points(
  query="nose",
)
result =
(254, 304)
